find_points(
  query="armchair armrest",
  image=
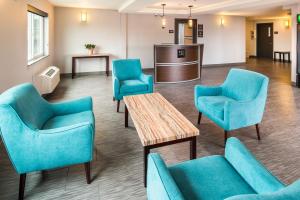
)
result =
(201, 90)
(74, 106)
(34, 150)
(160, 183)
(247, 112)
(60, 147)
(253, 172)
(292, 192)
(116, 87)
(147, 79)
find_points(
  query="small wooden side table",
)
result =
(282, 56)
(74, 58)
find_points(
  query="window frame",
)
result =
(31, 13)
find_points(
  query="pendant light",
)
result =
(163, 18)
(190, 21)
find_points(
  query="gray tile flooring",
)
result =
(117, 168)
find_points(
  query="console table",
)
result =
(74, 58)
(282, 55)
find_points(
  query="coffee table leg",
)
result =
(193, 148)
(126, 116)
(146, 152)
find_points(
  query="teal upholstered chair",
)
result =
(235, 176)
(238, 102)
(128, 79)
(40, 136)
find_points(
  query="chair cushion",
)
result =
(68, 120)
(209, 178)
(132, 86)
(213, 105)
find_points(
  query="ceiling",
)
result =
(102, 4)
(225, 7)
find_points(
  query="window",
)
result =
(37, 34)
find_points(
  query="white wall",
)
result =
(282, 40)
(222, 44)
(295, 11)
(250, 42)
(135, 34)
(103, 28)
(13, 40)
(143, 32)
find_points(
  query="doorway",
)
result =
(264, 45)
(185, 34)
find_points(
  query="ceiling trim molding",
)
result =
(228, 7)
(126, 5)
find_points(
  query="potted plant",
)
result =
(91, 48)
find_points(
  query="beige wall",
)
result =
(143, 32)
(220, 44)
(223, 44)
(103, 28)
(13, 40)
(250, 42)
(134, 35)
(282, 40)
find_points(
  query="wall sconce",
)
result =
(222, 21)
(287, 24)
(83, 16)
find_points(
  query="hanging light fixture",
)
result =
(190, 21)
(163, 18)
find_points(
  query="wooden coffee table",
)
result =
(158, 123)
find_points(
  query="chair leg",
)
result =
(118, 105)
(225, 137)
(257, 131)
(87, 167)
(199, 117)
(22, 186)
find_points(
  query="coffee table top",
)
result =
(156, 120)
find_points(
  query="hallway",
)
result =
(274, 69)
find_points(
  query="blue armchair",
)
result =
(128, 79)
(238, 102)
(39, 135)
(235, 176)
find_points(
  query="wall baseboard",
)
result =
(147, 70)
(225, 65)
(68, 75)
(252, 56)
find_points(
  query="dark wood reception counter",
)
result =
(177, 63)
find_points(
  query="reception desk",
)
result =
(175, 63)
